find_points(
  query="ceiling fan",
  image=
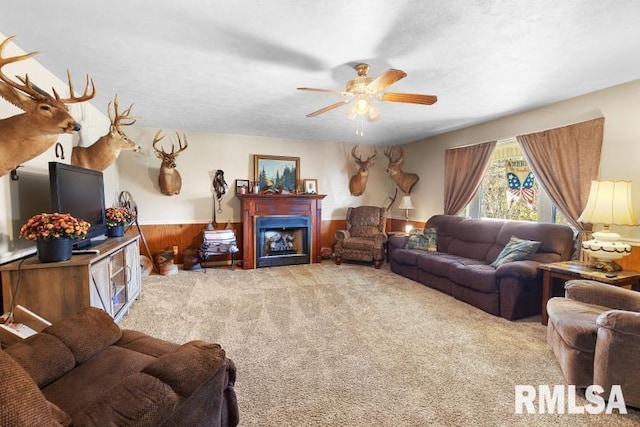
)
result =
(363, 89)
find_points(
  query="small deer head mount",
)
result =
(29, 134)
(169, 179)
(104, 152)
(404, 181)
(358, 182)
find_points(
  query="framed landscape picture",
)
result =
(273, 172)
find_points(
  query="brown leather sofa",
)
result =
(85, 371)
(461, 267)
(594, 332)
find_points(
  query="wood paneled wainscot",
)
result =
(109, 280)
(256, 205)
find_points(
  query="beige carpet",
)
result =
(327, 345)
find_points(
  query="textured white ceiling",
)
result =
(233, 66)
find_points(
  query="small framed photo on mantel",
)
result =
(310, 186)
(242, 186)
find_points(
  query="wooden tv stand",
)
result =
(109, 280)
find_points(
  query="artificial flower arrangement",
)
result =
(119, 216)
(50, 226)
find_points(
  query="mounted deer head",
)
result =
(104, 152)
(404, 181)
(358, 182)
(29, 134)
(169, 179)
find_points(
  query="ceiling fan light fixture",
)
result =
(362, 106)
(373, 114)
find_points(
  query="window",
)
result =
(509, 189)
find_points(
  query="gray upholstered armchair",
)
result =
(595, 334)
(364, 237)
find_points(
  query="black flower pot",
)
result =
(117, 231)
(54, 250)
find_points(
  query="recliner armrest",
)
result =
(380, 239)
(342, 234)
(611, 296)
(626, 322)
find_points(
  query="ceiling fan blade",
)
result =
(329, 108)
(339, 92)
(411, 98)
(385, 80)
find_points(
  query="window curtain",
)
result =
(565, 160)
(464, 169)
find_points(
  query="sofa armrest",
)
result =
(342, 234)
(526, 269)
(397, 241)
(593, 292)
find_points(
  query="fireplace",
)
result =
(305, 212)
(282, 240)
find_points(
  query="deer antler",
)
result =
(181, 148)
(157, 139)
(27, 87)
(74, 99)
(359, 160)
(116, 121)
(389, 151)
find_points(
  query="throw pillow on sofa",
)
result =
(516, 250)
(426, 240)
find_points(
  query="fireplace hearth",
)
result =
(282, 240)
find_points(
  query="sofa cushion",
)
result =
(94, 377)
(575, 322)
(405, 256)
(138, 400)
(29, 353)
(476, 276)
(21, 402)
(439, 263)
(516, 250)
(86, 333)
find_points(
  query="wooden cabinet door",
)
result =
(100, 292)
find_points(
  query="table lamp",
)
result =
(406, 204)
(609, 203)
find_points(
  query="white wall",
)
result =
(619, 105)
(330, 163)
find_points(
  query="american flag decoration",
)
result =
(520, 180)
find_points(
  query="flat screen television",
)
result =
(79, 192)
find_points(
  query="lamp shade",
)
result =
(609, 203)
(406, 203)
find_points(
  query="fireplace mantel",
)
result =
(256, 205)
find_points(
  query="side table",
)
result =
(570, 270)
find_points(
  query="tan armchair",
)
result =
(595, 335)
(365, 236)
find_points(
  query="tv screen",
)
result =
(79, 192)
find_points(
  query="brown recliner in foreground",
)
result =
(364, 237)
(84, 370)
(595, 335)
